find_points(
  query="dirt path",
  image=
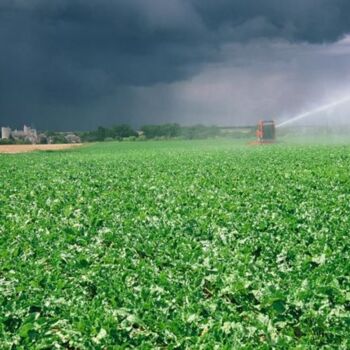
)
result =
(31, 148)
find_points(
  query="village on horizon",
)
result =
(32, 136)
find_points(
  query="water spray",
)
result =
(314, 111)
(266, 129)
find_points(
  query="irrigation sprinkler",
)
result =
(266, 132)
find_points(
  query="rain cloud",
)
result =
(76, 64)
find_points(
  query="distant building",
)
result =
(27, 134)
(5, 133)
(72, 138)
(30, 135)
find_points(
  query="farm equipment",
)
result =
(266, 131)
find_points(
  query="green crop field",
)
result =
(176, 245)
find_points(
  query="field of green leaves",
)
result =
(176, 245)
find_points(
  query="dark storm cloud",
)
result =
(61, 53)
(313, 21)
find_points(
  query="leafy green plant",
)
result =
(175, 244)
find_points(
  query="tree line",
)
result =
(162, 131)
(147, 132)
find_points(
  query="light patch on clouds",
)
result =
(253, 81)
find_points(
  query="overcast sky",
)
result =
(77, 64)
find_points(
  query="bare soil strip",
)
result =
(11, 149)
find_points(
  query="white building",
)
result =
(5, 133)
